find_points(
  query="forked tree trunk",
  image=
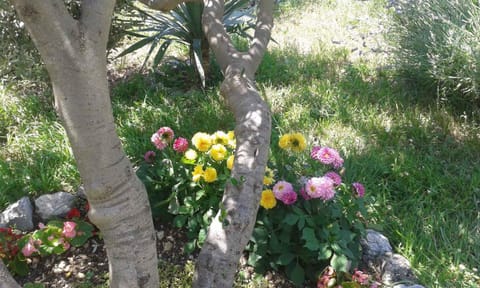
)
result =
(74, 52)
(227, 237)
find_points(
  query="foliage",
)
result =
(437, 47)
(20, 60)
(189, 180)
(318, 220)
(54, 238)
(183, 25)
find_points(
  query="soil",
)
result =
(87, 266)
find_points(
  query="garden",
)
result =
(375, 125)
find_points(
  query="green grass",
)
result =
(419, 161)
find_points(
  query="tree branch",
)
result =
(96, 17)
(52, 29)
(163, 5)
(217, 36)
(262, 34)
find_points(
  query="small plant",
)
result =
(310, 219)
(358, 279)
(196, 175)
(54, 238)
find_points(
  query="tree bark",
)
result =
(74, 52)
(6, 280)
(228, 236)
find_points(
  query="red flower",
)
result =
(74, 213)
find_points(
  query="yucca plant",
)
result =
(183, 25)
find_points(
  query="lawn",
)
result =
(419, 161)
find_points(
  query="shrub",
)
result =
(310, 218)
(318, 219)
(437, 47)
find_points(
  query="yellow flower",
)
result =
(230, 162)
(210, 174)
(198, 173)
(202, 141)
(220, 137)
(232, 142)
(218, 152)
(284, 142)
(297, 142)
(268, 200)
(191, 154)
(267, 180)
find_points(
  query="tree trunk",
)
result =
(74, 52)
(228, 235)
(6, 280)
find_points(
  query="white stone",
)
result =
(18, 215)
(54, 205)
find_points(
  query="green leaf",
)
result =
(202, 235)
(199, 194)
(324, 252)
(339, 263)
(190, 247)
(285, 259)
(174, 205)
(312, 242)
(291, 219)
(161, 52)
(297, 275)
(18, 266)
(137, 45)
(197, 56)
(180, 220)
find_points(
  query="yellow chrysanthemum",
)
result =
(220, 137)
(202, 141)
(218, 152)
(268, 200)
(232, 142)
(191, 154)
(268, 177)
(297, 142)
(267, 180)
(198, 173)
(284, 142)
(230, 162)
(210, 175)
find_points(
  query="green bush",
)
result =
(437, 47)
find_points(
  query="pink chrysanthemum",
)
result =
(158, 141)
(289, 197)
(166, 133)
(149, 156)
(359, 189)
(284, 192)
(180, 145)
(327, 156)
(320, 187)
(337, 179)
(304, 194)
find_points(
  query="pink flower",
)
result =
(149, 156)
(66, 245)
(284, 192)
(327, 156)
(359, 189)
(41, 225)
(158, 141)
(69, 229)
(360, 277)
(337, 179)
(304, 194)
(289, 197)
(29, 248)
(180, 145)
(320, 187)
(166, 133)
